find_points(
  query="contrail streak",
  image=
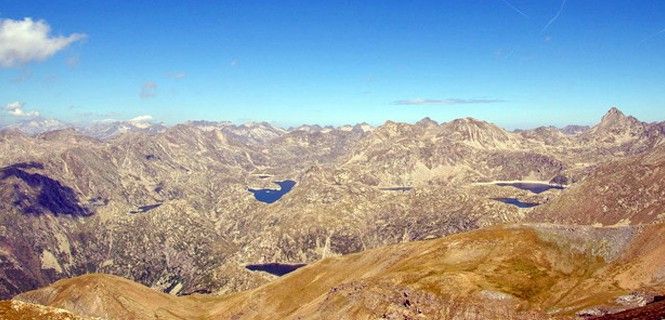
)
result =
(556, 16)
(516, 9)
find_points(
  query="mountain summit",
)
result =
(615, 126)
(614, 118)
(478, 133)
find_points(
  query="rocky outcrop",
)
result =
(18, 310)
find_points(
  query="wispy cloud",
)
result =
(520, 12)
(16, 109)
(73, 61)
(105, 116)
(652, 36)
(148, 90)
(115, 117)
(504, 53)
(23, 76)
(176, 75)
(23, 41)
(556, 16)
(446, 102)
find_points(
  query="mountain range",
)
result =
(424, 220)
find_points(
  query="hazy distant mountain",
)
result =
(111, 128)
(99, 129)
(362, 127)
(574, 129)
(37, 125)
(549, 135)
(306, 128)
(254, 132)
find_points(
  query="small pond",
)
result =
(516, 202)
(272, 195)
(530, 186)
(278, 269)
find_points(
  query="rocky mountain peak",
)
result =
(477, 133)
(614, 116)
(574, 129)
(615, 122)
(68, 134)
(616, 127)
(363, 127)
(471, 124)
(426, 122)
(393, 127)
(390, 129)
(614, 110)
(11, 132)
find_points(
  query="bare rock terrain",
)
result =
(169, 207)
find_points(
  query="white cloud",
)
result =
(105, 120)
(449, 101)
(143, 118)
(141, 121)
(148, 90)
(16, 109)
(23, 41)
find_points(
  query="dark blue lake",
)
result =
(530, 186)
(517, 202)
(272, 195)
(278, 269)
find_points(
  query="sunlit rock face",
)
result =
(170, 207)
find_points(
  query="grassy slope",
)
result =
(459, 271)
(507, 272)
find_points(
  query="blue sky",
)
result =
(516, 63)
